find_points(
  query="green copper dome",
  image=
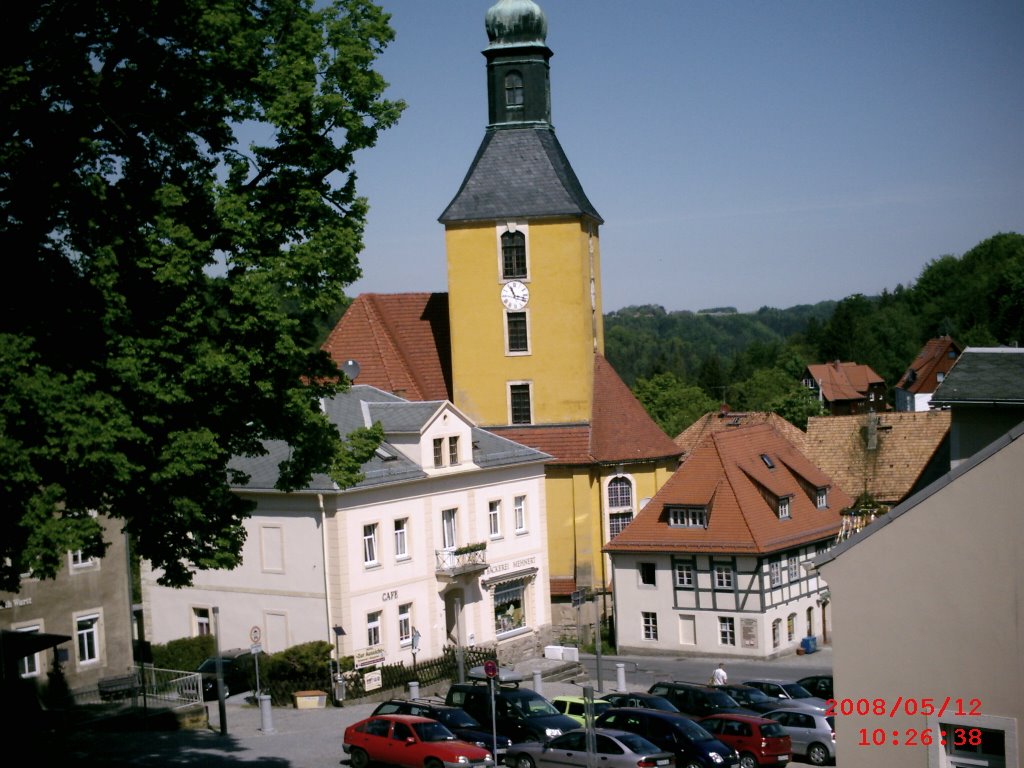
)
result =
(516, 22)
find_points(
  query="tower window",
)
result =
(518, 340)
(519, 403)
(513, 255)
(513, 89)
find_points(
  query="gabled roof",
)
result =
(903, 508)
(620, 430)
(401, 342)
(363, 406)
(724, 420)
(988, 376)
(933, 357)
(843, 381)
(903, 445)
(726, 474)
(519, 173)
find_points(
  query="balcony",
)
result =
(468, 559)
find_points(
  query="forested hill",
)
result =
(682, 364)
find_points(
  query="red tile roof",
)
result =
(843, 381)
(932, 359)
(724, 420)
(561, 587)
(727, 475)
(401, 342)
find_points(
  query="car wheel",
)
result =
(524, 761)
(693, 764)
(433, 763)
(817, 754)
(747, 760)
(358, 758)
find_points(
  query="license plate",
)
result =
(661, 762)
(783, 758)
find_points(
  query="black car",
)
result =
(519, 713)
(456, 719)
(698, 700)
(818, 685)
(673, 732)
(239, 669)
(750, 697)
(639, 699)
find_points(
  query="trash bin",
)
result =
(339, 689)
(809, 644)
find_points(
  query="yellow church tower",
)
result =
(524, 267)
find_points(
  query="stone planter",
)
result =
(310, 699)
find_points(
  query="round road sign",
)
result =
(254, 634)
(491, 668)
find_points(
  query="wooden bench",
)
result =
(118, 687)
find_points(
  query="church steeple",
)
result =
(518, 83)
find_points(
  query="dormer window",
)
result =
(688, 517)
(438, 452)
(453, 450)
(446, 448)
(783, 508)
(821, 498)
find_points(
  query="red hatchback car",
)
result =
(410, 741)
(758, 740)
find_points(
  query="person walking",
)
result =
(719, 677)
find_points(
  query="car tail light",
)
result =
(648, 762)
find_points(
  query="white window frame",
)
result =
(726, 630)
(29, 666)
(775, 573)
(649, 625)
(618, 519)
(724, 578)
(449, 528)
(529, 392)
(405, 624)
(684, 575)
(494, 518)
(508, 333)
(373, 629)
(438, 452)
(784, 508)
(519, 512)
(87, 638)
(454, 458)
(201, 624)
(370, 552)
(821, 498)
(501, 229)
(794, 568)
(688, 517)
(401, 538)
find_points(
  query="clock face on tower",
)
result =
(514, 294)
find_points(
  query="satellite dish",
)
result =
(351, 369)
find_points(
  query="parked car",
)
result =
(759, 741)
(788, 690)
(818, 685)
(409, 741)
(519, 713)
(238, 667)
(698, 700)
(639, 699)
(614, 748)
(812, 733)
(456, 719)
(575, 707)
(673, 732)
(749, 697)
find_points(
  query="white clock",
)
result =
(514, 294)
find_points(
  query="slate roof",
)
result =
(988, 376)
(843, 381)
(724, 420)
(362, 406)
(931, 360)
(401, 341)
(519, 173)
(727, 474)
(905, 443)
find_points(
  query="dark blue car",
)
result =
(693, 746)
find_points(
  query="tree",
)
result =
(167, 275)
(672, 404)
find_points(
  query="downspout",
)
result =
(327, 579)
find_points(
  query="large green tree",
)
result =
(179, 211)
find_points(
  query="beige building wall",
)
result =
(930, 606)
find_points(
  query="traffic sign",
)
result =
(254, 635)
(491, 668)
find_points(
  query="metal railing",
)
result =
(157, 687)
(450, 562)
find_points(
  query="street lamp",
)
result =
(415, 648)
(338, 632)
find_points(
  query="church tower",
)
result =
(522, 240)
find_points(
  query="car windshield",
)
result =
(457, 718)
(719, 699)
(772, 729)
(210, 665)
(532, 706)
(433, 731)
(660, 702)
(692, 731)
(796, 691)
(754, 696)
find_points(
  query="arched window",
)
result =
(620, 505)
(513, 89)
(513, 255)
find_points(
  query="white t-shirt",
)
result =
(718, 677)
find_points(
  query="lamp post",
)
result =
(415, 648)
(338, 632)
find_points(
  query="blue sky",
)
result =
(741, 153)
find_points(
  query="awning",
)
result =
(505, 578)
(14, 646)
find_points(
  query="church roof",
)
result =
(519, 173)
(729, 476)
(401, 342)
